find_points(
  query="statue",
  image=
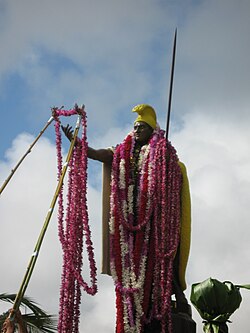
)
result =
(146, 228)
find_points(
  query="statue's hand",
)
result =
(68, 131)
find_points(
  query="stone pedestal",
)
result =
(182, 319)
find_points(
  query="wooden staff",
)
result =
(171, 84)
(27, 152)
(34, 256)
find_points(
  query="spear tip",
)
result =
(171, 84)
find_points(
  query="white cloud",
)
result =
(24, 205)
(111, 55)
(217, 157)
(103, 50)
(83, 28)
(213, 58)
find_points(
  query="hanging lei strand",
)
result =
(74, 229)
(128, 283)
(157, 216)
(167, 232)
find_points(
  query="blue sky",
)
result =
(111, 55)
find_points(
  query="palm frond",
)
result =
(38, 321)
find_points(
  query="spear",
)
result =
(171, 85)
(26, 153)
(35, 254)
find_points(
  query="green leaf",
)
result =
(215, 300)
(38, 321)
(245, 286)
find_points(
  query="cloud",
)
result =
(24, 205)
(217, 160)
(113, 55)
(213, 59)
(217, 156)
(97, 54)
(86, 29)
(110, 56)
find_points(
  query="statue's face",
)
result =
(142, 132)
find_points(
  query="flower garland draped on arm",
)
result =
(74, 229)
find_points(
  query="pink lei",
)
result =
(73, 230)
(144, 231)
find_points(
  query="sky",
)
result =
(110, 56)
